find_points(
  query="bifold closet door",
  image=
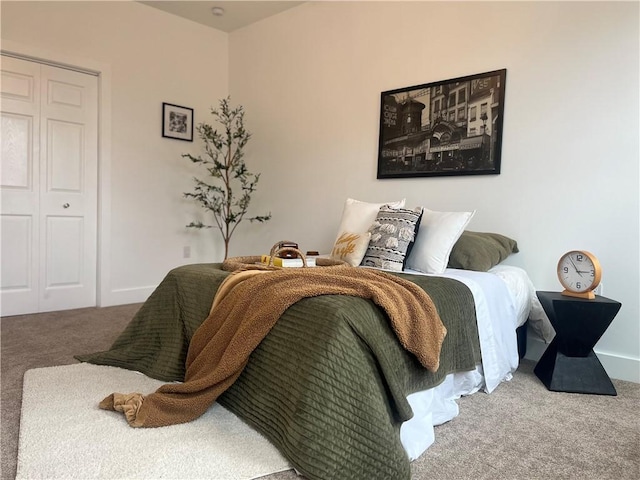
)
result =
(49, 188)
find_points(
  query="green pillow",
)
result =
(480, 251)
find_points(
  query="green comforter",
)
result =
(328, 384)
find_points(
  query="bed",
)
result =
(330, 386)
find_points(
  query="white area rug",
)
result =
(63, 434)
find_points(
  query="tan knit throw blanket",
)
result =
(248, 307)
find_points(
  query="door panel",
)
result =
(65, 94)
(68, 193)
(64, 252)
(20, 85)
(17, 154)
(65, 159)
(17, 248)
(19, 186)
(54, 147)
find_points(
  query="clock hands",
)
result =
(579, 272)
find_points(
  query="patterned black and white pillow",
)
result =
(392, 235)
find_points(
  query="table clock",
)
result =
(579, 273)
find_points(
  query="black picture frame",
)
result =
(177, 122)
(445, 128)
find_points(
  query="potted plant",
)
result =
(223, 160)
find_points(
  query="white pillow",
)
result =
(437, 235)
(358, 216)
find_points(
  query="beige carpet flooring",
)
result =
(521, 431)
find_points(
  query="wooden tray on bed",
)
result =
(254, 262)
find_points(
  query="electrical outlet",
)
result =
(599, 289)
(186, 251)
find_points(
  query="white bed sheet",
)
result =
(524, 292)
(503, 300)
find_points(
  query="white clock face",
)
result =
(576, 272)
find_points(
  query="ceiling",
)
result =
(237, 14)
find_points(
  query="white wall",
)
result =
(310, 79)
(147, 57)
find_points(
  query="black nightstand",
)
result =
(569, 363)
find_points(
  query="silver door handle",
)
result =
(66, 205)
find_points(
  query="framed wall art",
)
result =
(177, 122)
(450, 127)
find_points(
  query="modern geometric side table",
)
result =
(569, 363)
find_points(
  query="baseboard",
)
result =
(125, 296)
(617, 366)
(622, 368)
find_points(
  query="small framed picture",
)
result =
(177, 122)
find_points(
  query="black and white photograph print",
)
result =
(177, 122)
(450, 127)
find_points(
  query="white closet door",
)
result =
(20, 186)
(49, 188)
